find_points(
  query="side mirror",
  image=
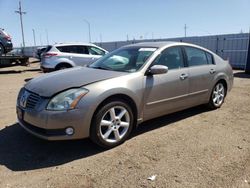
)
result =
(158, 69)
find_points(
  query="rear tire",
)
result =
(112, 124)
(217, 96)
(62, 66)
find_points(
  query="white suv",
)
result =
(61, 56)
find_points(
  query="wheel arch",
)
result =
(67, 64)
(119, 97)
(224, 82)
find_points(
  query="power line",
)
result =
(20, 12)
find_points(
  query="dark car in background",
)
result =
(5, 42)
(39, 52)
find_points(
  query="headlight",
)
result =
(66, 100)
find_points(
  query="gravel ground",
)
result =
(192, 148)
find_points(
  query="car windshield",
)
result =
(124, 59)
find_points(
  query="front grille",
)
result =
(42, 131)
(32, 100)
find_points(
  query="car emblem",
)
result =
(24, 98)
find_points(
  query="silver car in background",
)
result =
(61, 56)
(135, 83)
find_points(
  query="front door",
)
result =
(166, 93)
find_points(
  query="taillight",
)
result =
(50, 55)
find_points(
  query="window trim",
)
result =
(213, 62)
(181, 53)
(186, 57)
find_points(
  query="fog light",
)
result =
(69, 131)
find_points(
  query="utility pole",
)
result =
(47, 36)
(20, 12)
(185, 30)
(41, 42)
(86, 21)
(100, 38)
(34, 37)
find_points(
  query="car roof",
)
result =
(75, 44)
(164, 44)
(151, 44)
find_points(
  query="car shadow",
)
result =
(241, 75)
(19, 71)
(168, 119)
(20, 151)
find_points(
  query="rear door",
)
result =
(201, 72)
(77, 53)
(166, 93)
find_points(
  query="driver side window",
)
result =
(170, 57)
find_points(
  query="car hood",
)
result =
(52, 83)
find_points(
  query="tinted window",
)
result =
(73, 49)
(95, 51)
(65, 49)
(171, 57)
(82, 50)
(209, 58)
(195, 56)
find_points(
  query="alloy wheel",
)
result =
(218, 94)
(114, 124)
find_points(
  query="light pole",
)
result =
(47, 36)
(34, 37)
(19, 11)
(185, 30)
(86, 21)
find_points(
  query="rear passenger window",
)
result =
(73, 49)
(195, 56)
(209, 58)
(82, 50)
(65, 49)
(171, 57)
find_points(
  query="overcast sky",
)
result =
(114, 20)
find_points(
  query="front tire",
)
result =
(217, 96)
(112, 124)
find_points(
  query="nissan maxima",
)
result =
(108, 98)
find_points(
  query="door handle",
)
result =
(212, 71)
(183, 76)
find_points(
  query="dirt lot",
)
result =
(193, 148)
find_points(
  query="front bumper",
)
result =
(50, 125)
(46, 134)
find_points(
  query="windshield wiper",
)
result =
(99, 67)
